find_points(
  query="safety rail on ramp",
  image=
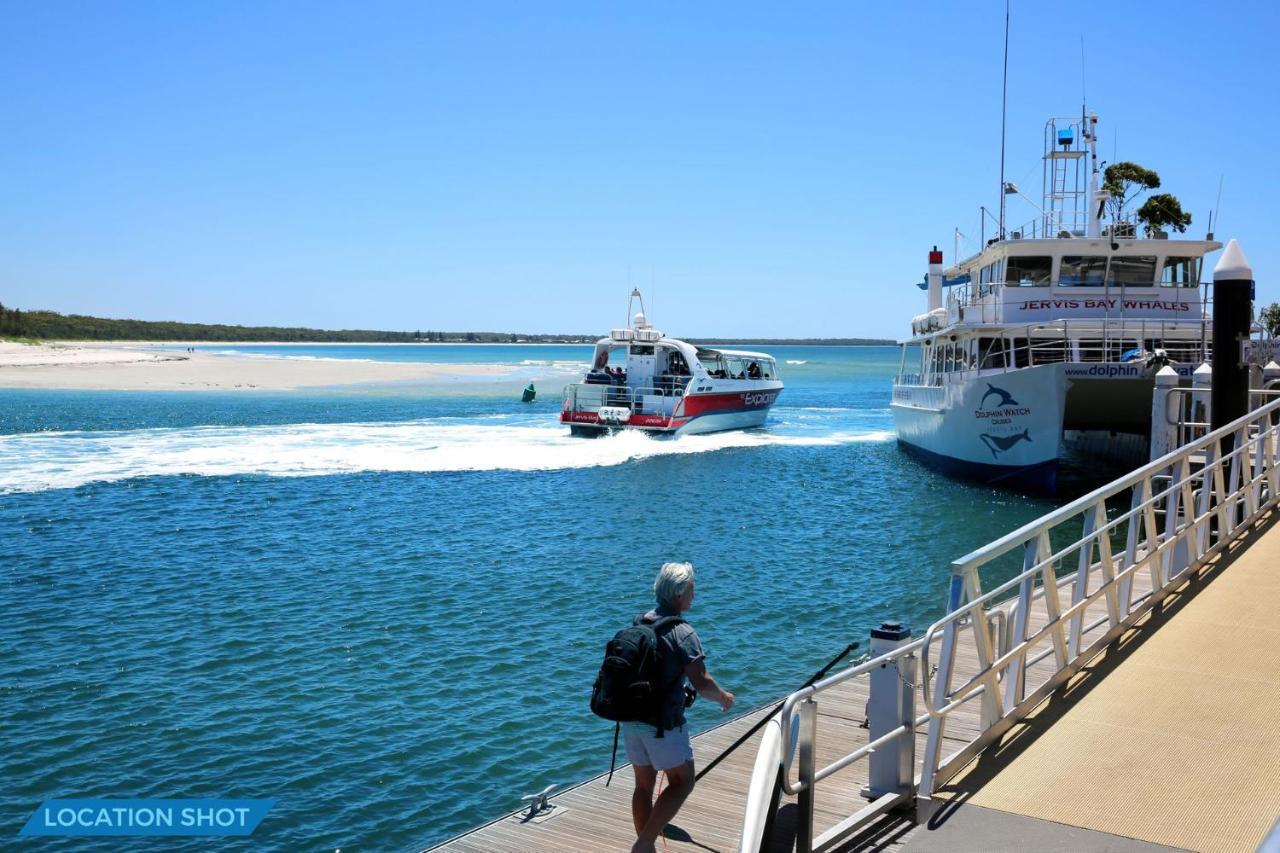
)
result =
(1077, 578)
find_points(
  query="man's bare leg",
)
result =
(642, 796)
(679, 787)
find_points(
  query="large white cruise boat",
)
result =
(1044, 344)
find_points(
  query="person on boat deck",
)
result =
(682, 657)
(753, 370)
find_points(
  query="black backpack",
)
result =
(629, 686)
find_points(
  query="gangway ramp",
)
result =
(1179, 744)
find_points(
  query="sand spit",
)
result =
(134, 368)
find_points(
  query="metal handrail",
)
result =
(1194, 488)
(1075, 341)
(1233, 487)
(616, 395)
(788, 708)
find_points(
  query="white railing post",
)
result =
(807, 768)
(1015, 687)
(892, 767)
(1201, 394)
(1164, 430)
(1269, 451)
(946, 661)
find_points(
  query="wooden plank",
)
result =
(596, 818)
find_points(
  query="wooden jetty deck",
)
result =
(591, 818)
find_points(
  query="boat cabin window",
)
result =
(675, 363)
(713, 362)
(912, 363)
(1132, 272)
(990, 274)
(768, 368)
(1082, 271)
(992, 352)
(1029, 272)
(744, 367)
(1180, 272)
(642, 349)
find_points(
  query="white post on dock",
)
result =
(890, 706)
(1164, 420)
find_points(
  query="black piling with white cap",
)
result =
(1232, 314)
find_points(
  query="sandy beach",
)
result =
(135, 368)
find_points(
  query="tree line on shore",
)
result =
(50, 325)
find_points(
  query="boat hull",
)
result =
(1003, 428)
(697, 414)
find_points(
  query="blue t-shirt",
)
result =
(680, 647)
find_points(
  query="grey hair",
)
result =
(673, 579)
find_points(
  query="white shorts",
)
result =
(646, 749)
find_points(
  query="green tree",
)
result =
(1126, 182)
(1163, 210)
(1269, 317)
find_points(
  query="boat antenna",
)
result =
(1084, 93)
(1004, 107)
(635, 294)
(1217, 205)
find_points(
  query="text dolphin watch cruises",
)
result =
(1043, 347)
(642, 380)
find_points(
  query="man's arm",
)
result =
(706, 685)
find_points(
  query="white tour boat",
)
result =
(642, 380)
(1047, 340)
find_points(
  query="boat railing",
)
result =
(1064, 589)
(1071, 341)
(648, 400)
(1075, 223)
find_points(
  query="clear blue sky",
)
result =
(758, 169)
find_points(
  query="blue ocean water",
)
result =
(384, 606)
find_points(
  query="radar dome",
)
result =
(640, 320)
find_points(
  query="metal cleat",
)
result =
(538, 804)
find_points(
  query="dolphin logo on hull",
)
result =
(998, 444)
(1006, 399)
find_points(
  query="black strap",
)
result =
(614, 760)
(660, 624)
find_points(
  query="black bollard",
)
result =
(1232, 314)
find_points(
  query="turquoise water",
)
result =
(384, 606)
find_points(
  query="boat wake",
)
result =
(31, 462)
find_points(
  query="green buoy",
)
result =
(529, 394)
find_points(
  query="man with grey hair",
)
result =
(670, 752)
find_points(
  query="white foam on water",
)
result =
(818, 408)
(796, 361)
(32, 462)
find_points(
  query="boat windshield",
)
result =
(749, 367)
(713, 362)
